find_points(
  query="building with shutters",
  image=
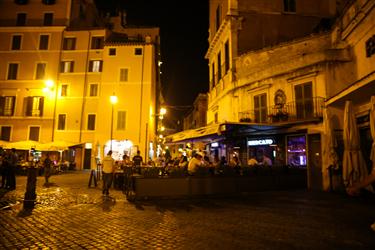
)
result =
(61, 62)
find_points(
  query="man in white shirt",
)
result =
(108, 170)
(195, 162)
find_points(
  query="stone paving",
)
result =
(69, 215)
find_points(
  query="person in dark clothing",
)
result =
(11, 169)
(3, 168)
(137, 161)
(47, 168)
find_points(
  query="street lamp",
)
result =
(113, 99)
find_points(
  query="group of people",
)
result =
(109, 167)
(8, 165)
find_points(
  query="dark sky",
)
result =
(184, 33)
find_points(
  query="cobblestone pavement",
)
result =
(69, 215)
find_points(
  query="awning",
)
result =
(57, 146)
(23, 145)
(50, 146)
(222, 130)
(195, 134)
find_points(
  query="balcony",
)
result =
(296, 111)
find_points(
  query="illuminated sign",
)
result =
(214, 145)
(260, 142)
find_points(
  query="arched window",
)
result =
(21, 2)
(48, 2)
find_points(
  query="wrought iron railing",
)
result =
(298, 110)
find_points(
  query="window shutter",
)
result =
(2, 105)
(41, 106)
(29, 105)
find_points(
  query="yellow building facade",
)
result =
(58, 68)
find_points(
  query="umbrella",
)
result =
(354, 166)
(57, 145)
(3, 143)
(372, 129)
(330, 142)
(23, 145)
(329, 149)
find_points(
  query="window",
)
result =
(93, 89)
(260, 108)
(218, 17)
(43, 42)
(61, 122)
(289, 5)
(69, 43)
(304, 100)
(12, 71)
(40, 71)
(5, 133)
(112, 52)
(21, 19)
(7, 104)
(97, 42)
(138, 51)
(16, 42)
(34, 133)
(21, 2)
(48, 19)
(219, 66)
(226, 54)
(121, 120)
(48, 2)
(95, 66)
(64, 90)
(213, 75)
(124, 75)
(34, 105)
(91, 122)
(67, 67)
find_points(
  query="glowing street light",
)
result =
(113, 99)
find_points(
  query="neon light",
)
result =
(260, 142)
(214, 145)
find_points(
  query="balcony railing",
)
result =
(299, 110)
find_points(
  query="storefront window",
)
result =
(296, 150)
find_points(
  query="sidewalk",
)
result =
(69, 215)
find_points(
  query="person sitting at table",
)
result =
(183, 163)
(195, 163)
(125, 161)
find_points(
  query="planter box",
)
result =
(217, 185)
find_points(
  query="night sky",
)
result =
(184, 34)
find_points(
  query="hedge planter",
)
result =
(217, 185)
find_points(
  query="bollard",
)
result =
(30, 194)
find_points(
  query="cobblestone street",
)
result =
(69, 215)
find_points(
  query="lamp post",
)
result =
(161, 128)
(113, 99)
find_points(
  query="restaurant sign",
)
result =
(267, 141)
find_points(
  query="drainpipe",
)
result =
(141, 98)
(84, 88)
(56, 86)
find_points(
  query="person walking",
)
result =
(108, 170)
(47, 164)
(12, 165)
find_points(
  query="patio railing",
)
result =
(298, 110)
